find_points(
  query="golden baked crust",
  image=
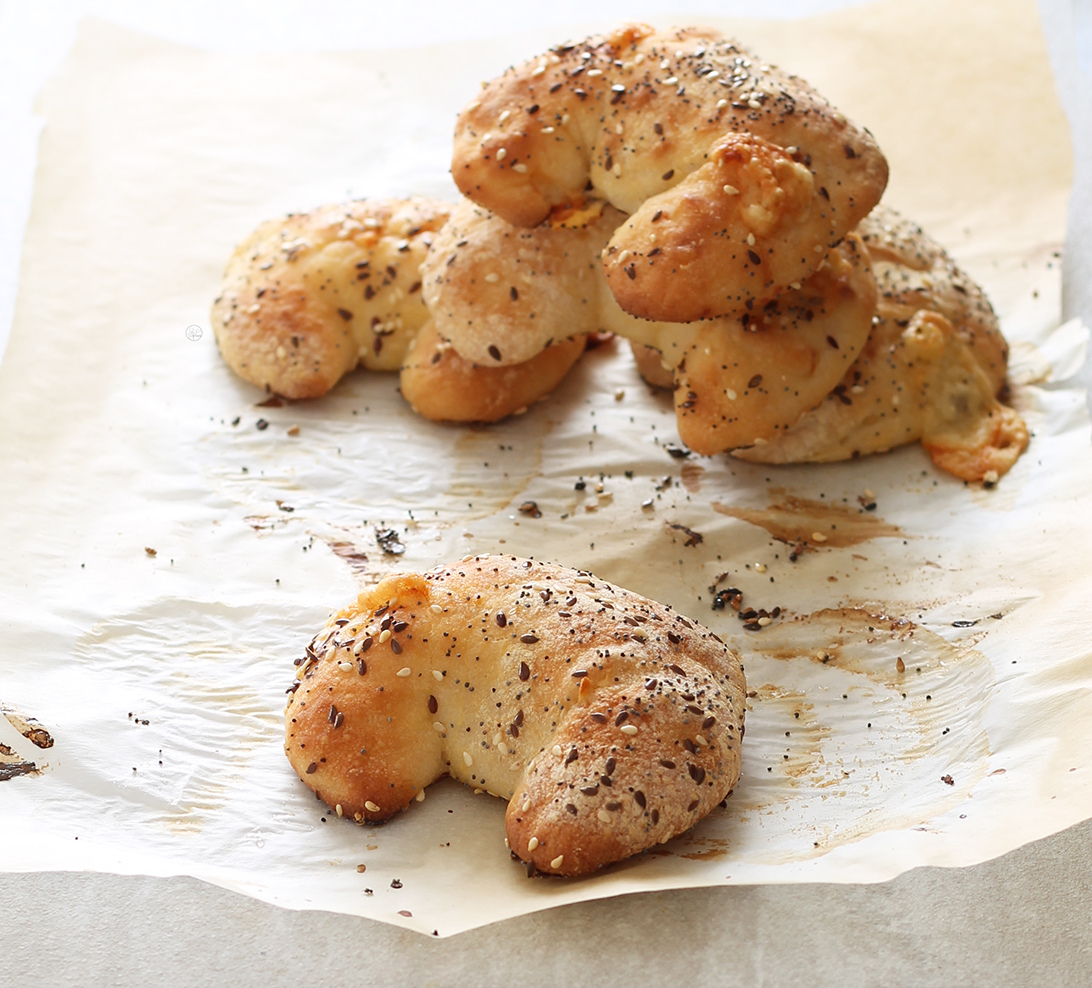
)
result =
(744, 226)
(631, 115)
(501, 294)
(308, 297)
(931, 369)
(443, 386)
(609, 722)
(744, 380)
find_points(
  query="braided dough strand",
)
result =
(610, 722)
(307, 298)
(484, 276)
(744, 380)
(931, 370)
(444, 386)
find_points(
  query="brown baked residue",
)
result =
(28, 726)
(797, 519)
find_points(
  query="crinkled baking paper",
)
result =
(924, 697)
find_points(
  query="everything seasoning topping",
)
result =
(563, 728)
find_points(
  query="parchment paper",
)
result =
(165, 558)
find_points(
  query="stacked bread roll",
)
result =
(671, 188)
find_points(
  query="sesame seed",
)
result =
(629, 729)
(492, 277)
(818, 248)
(337, 809)
(818, 536)
(437, 609)
(384, 636)
(595, 71)
(502, 153)
(750, 240)
(556, 863)
(438, 727)
(370, 806)
(437, 675)
(520, 167)
(345, 666)
(420, 797)
(532, 844)
(671, 81)
(731, 190)
(526, 805)
(616, 88)
(467, 759)
(505, 115)
(764, 621)
(404, 672)
(556, 750)
(760, 567)
(604, 816)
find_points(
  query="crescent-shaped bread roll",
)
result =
(634, 115)
(443, 386)
(931, 370)
(307, 298)
(608, 721)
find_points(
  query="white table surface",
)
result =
(1024, 919)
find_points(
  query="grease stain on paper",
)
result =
(818, 683)
(209, 677)
(795, 519)
(28, 726)
(12, 763)
(495, 464)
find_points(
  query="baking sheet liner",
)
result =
(924, 697)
